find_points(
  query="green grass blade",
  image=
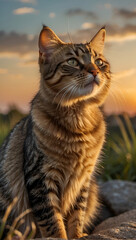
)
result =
(130, 128)
(124, 134)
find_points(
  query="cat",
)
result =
(49, 159)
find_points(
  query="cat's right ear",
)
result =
(48, 42)
(97, 42)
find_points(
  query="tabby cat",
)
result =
(49, 159)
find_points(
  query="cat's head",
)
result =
(73, 72)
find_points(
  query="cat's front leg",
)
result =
(45, 203)
(53, 226)
(75, 223)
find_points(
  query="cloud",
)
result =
(124, 38)
(17, 44)
(121, 101)
(125, 13)
(29, 63)
(107, 5)
(52, 15)
(28, 1)
(9, 55)
(121, 34)
(115, 33)
(3, 70)
(16, 76)
(81, 12)
(87, 25)
(124, 74)
(24, 10)
(25, 46)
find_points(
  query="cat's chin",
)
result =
(89, 89)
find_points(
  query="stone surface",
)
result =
(119, 196)
(103, 214)
(119, 227)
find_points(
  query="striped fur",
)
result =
(49, 159)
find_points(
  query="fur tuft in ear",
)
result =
(48, 41)
(97, 42)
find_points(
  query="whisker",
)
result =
(72, 92)
(71, 41)
(61, 90)
(118, 97)
(64, 94)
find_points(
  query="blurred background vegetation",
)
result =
(119, 152)
(8, 121)
(119, 158)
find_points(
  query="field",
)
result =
(119, 158)
(119, 152)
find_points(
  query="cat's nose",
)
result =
(91, 69)
(94, 72)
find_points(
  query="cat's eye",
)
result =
(73, 62)
(99, 62)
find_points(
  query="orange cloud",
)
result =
(18, 89)
(8, 55)
(87, 25)
(13, 55)
(52, 15)
(121, 38)
(24, 10)
(121, 101)
(125, 73)
(3, 70)
(107, 5)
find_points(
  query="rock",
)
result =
(117, 221)
(119, 227)
(103, 214)
(119, 196)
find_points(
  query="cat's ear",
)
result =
(48, 41)
(97, 42)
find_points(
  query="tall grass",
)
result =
(12, 231)
(4, 130)
(8, 121)
(120, 152)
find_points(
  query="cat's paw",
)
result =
(81, 235)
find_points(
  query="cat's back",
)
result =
(15, 138)
(11, 163)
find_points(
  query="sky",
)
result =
(73, 20)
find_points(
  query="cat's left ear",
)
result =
(97, 42)
(48, 42)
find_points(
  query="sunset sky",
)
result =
(76, 20)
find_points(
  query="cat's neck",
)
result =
(79, 117)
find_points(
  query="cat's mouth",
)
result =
(92, 82)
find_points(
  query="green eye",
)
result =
(99, 62)
(72, 62)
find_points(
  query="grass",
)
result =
(120, 152)
(12, 231)
(8, 121)
(3, 131)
